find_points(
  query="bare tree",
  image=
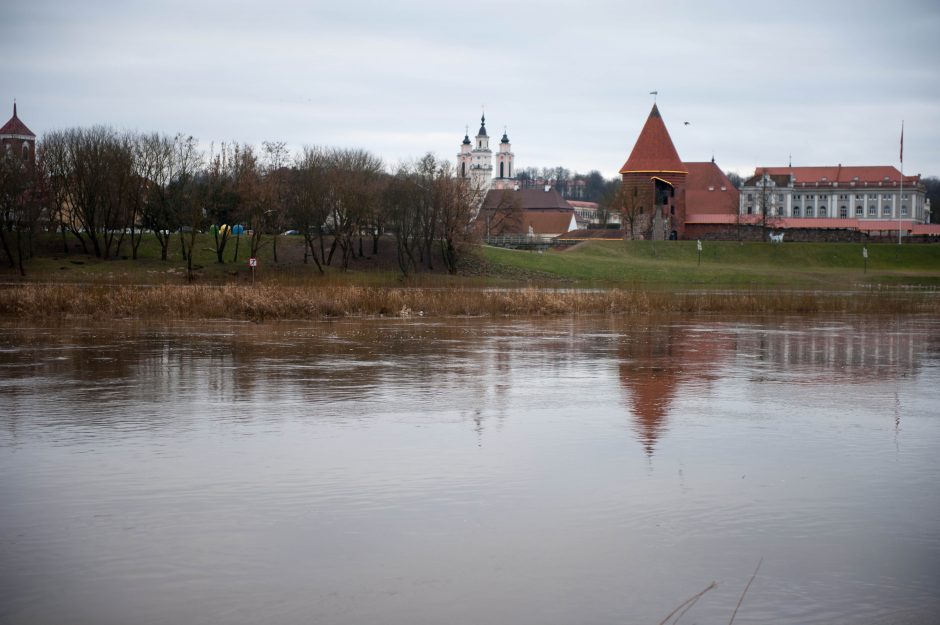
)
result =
(457, 202)
(504, 217)
(90, 173)
(21, 185)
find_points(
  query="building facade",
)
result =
(475, 161)
(854, 194)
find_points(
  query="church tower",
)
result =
(465, 158)
(504, 165)
(654, 183)
(481, 168)
(17, 140)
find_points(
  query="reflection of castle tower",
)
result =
(475, 161)
(650, 371)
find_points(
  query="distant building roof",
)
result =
(708, 190)
(528, 199)
(834, 173)
(580, 204)
(548, 222)
(653, 151)
(865, 225)
(16, 127)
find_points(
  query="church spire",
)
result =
(482, 132)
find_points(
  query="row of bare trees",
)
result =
(109, 189)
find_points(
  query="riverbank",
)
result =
(265, 302)
(594, 264)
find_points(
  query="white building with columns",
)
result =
(475, 161)
(861, 194)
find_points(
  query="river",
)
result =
(510, 471)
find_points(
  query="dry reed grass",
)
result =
(259, 303)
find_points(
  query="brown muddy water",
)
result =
(561, 471)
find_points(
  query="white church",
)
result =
(475, 161)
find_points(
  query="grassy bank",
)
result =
(727, 264)
(635, 264)
(258, 303)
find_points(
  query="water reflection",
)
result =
(589, 470)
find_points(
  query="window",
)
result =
(872, 197)
(750, 210)
(859, 211)
(904, 210)
(904, 197)
(809, 211)
(501, 165)
(822, 211)
(796, 211)
(779, 211)
(750, 196)
(25, 151)
(872, 211)
(844, 212)
(886, 211)
(780, 197)
(887, 198)
(797, 196)
(843, 197)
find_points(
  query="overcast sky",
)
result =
(826, 82)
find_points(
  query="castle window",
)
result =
(886, 211)
(822, 211)
(872, 211)
(844, 212)
(796, 211)
(809, 211)
(859, 211)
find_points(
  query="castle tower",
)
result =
(654, 183)
(504, 165)
(18, 140)
(481, 168)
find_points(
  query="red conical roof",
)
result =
(654, 151)
(15, 126)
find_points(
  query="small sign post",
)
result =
(252, 262)
(698, 246)
(865, 256)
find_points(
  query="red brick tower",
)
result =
(654, 183)
(18, 140)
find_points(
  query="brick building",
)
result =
(18, 140)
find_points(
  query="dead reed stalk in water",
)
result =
(741, 600)
(688, 603)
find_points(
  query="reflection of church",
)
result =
(475, 161)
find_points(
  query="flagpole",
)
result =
(901, 195)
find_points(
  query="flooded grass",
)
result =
(259, 303)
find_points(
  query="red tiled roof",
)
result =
(553, 221)
(577, 204)
(15, 126)
(653, 151)
(932, 229)
(838, 173)
(527, 198)
(708, 190)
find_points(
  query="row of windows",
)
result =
(887, 197)
(843, 211)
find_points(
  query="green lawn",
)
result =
(668, 264)
(675, 264)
